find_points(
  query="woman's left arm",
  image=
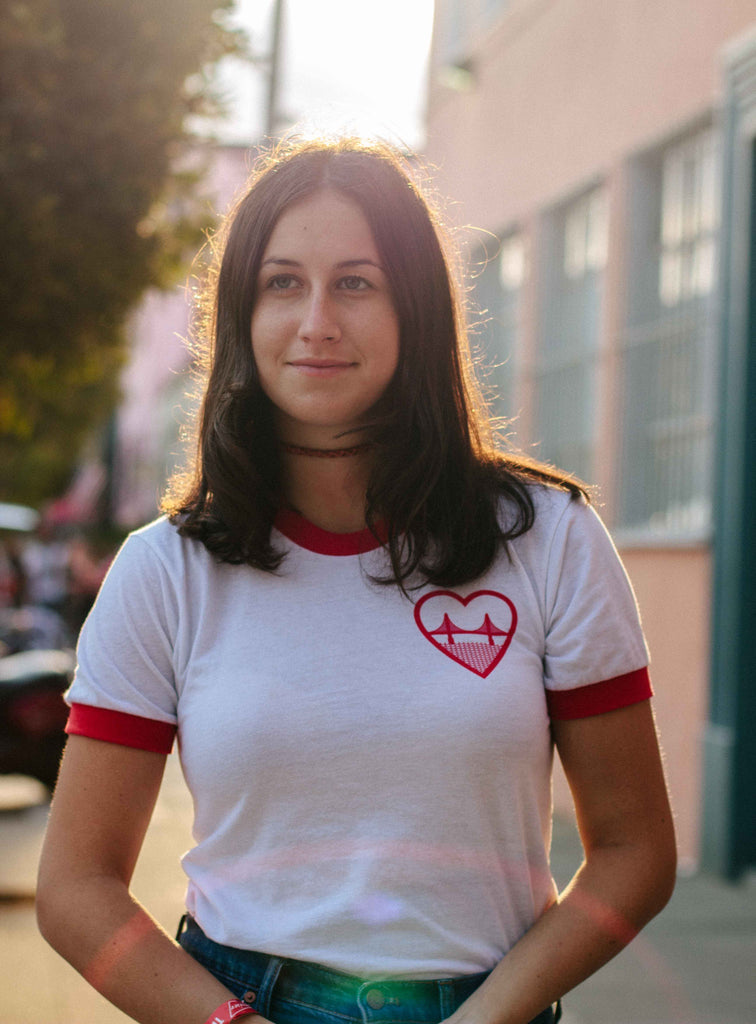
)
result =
(613, 765)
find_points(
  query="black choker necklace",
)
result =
(326, 453)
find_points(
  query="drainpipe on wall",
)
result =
(729, 818)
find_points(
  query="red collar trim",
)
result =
(306, 535)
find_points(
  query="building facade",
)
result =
(603, 153)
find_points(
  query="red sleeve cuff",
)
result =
(595, 699)
(120, 727)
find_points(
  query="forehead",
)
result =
(326, 223)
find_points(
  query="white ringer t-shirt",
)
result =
(371, 775)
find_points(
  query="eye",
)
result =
(354, 283)
(281, 282)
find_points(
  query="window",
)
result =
(574, 247)
(689, 196)
(497, 301)
(668, 349)
(459, 24)
(451, 32)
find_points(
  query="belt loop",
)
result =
(446, 997)
(264, 993)
(181, 924)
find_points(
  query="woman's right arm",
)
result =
(102, 806)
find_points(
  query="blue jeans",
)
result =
(297, 992)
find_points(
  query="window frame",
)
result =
(647, 322)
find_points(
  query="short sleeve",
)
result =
(124, 688)
(596, 658)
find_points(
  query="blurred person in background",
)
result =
(45, 557)
(13, 585)
(89, 558)
(369, 628)
(33, 591)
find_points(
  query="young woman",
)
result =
(369, 628)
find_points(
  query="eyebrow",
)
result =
(343, 264)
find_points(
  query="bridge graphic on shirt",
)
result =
(451, 631)
(478, 648)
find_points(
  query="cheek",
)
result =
(262, 337)
(393, 354)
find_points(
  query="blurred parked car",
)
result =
(33, 713)
(36, 660)
(19, 518)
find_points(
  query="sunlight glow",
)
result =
(345, 66)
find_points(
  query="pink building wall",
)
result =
(561, 96)
(673, 590)
(565, 91)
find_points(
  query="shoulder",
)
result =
(553, 503)
(161, 542)
(553, 508)
(566, 531)
(155, 563)
(159, 535)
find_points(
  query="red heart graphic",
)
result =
(480, 642)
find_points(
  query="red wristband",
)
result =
(229, 1011)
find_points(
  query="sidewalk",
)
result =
(694, 964)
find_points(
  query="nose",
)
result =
(319, 321)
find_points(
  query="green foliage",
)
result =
(94, 96)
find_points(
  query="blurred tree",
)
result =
(94, 97)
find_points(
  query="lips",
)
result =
(321, 367)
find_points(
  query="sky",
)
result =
(345, 64)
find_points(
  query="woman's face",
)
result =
(325, 333)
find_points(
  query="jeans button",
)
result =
(375, 999)
(249, 997)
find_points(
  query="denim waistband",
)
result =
(279, 987)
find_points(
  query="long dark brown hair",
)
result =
(438, 480)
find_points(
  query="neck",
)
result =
(327, 490)
(326, 453)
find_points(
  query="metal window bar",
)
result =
(566, 370)
(668, 357)
(667, 452)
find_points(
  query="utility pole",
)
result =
(270, 62)
(273, 68)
